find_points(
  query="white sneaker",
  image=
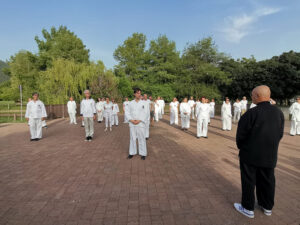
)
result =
(243, 211)
(105, 129)
(110, 129)
(266, 211)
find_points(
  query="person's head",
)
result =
(203, 100)
(29, 99)
(126, 99)
(35, 96)
(174, 99)
(192, 98)
(107, 99)
(158, 98)
(71, 98)
(212, 100)
(227, 101)
(244, 98)
(185, 99)
(113, 100)
(298, 99)
(145, 96)
(87, 94)
(150, 98)
(237, 100)
(207, 101)
(137, 93)
(261, 93)
(99, 99)
(103, 99)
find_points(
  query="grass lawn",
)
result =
(6, 119)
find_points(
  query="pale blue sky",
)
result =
(241, 28)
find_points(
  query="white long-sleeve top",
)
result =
(185, 108)
(226, 110)
(125, 105)
(191, 103)
(174, 106)
(108, 107)
(212, 105)
(244, 104)
(71, 105)
(295, 111)
(202, 110)
(237, 106)
(137, 110)
(87, 108)
(99, 106)
(35, 110)
(115, 109)
(156, 107)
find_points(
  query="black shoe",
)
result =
(45, 127)
(147, 139)
(37, 139)
(99, 122)
(32, 139)
(90, 138)
(198, 137)
(129, 156)
(87, 138)
(143, 157)
(206, 137)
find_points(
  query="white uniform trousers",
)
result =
(295, 127)
(174, 117)
(108, 119)
(202, 127)
(147, 128)
(193, 113)
(72, 117)
(100, 116)
(185, 121)
(212, 113)
(89, 126)
(236, 116)
(156, 116)
(35, 125)
(226, 123)
(114, 119)
(82, 122)
(125, 118)
(163, 110)
(137, 133)
(160, 114)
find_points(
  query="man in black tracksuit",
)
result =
(259, 131)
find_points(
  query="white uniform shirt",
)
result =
(156, 107)
(212, 105)
(295, 111)
(71, 107)
(237, 107)
(108, 107)
(87, 107)
(126, 104)
(99, 106)
(173, 106)
(115, 108)
(35, 110)
(244, 104)
(202, 110)
(137, 111)
(185, 108)
(160, 103)
(226, 110)
(191, 103)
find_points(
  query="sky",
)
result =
(240, 28)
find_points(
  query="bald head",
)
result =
(261, 94)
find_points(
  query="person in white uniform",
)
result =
(207, 102)
(88, 114)
(35, 114)
(163, 104)
(29, 100)
(237, 110)
(185, 113)
(148, 103)
(295, 120)
(160, 104)
(244, 104)
(125, 108)
(156, 110)
(212, 108)
(71, 105)
(108, 107)
(226, 115)
(137, 115)
(191, 102)
(115, 111)
(99, 108)
(202, 114)
(174, 112)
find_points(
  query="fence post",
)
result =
(15, 117)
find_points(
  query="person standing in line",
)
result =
(163, 104)
(156, 110)
(208, 103)
(125, 108)
(160, 103)
(191, 103)
(29, 100)
(35, 114)
(202, 114)
(137, 115)
(152, 110)
(174, 112)
(147, 103)
(226, 115)
(88, 114)
(185, 113)
(212, 108)
(295, 120)
(244, 104)
(258, 135)
(99, 108)
(71, 105)
(237, 110)
(108, 107)
(115, 111)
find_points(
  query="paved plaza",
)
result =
(63, 180)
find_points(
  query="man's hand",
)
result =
(94, 117)
(43, 118)
(185, 113)
(82, 118)
(27, 119)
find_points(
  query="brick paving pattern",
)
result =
(63, 180)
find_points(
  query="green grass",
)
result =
(6, 119)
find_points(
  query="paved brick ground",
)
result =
(64, 180)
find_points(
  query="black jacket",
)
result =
(259, 132)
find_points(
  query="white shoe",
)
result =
(266, 211)
(105, 129)
(243, 211)
(110, 129)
